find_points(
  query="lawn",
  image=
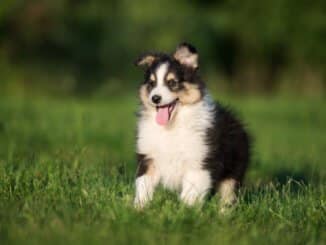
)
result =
(67, 169)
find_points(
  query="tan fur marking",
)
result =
(150, 168)
(227, 190)
(148, 60)
(187, 58)
(170, 76)
(152, 77)
(143, 94)
(190, 94)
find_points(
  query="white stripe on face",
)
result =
(160, 73)
(161, 89)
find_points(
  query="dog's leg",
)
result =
(195, 186)
(227, 190)
(146, 181)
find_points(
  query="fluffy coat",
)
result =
(185, 140)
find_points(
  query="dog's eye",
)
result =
(151, 83)
(172, 83)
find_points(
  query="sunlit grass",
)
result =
(67, 169)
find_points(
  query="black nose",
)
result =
(156, 99)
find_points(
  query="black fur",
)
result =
(142, 165)
(229, 144)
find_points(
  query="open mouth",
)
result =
(164, 113)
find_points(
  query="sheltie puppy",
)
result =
(185, 140)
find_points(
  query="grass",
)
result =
(67, 169)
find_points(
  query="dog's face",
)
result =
(170, 81)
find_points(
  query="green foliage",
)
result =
(86, 43)
(67, 169)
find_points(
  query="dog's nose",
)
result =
(156, 99)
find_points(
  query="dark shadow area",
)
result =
(280, 184)
(283, 176)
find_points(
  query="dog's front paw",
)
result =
(139, 204)
(189, 198)
(144, 191)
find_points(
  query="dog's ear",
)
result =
(186, 54)
(146, 59)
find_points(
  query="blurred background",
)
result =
(87, 48)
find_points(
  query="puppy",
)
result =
(185, 140)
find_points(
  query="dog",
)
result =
(185, 140)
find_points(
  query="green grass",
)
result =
(67, 169)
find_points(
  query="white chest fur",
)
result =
(179, 147)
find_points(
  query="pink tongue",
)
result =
(162, 116)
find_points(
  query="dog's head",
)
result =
(170, 81)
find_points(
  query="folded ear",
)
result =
(186, 55)
(146, 59)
